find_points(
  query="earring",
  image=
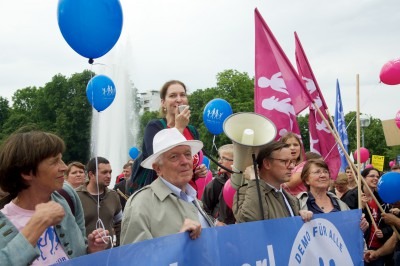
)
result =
(164, 109)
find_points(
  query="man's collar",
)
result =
(92, 192)
(274, 188)
(188, 195)
(163, 188)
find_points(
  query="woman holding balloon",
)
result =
(175, 113)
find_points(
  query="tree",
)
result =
(59, 107)
(304, 131)
(23, 110)
(4, 112)
(374, 138)
(233, 86)
(144, 120)
(73, 114)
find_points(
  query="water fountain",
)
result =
(114, 130)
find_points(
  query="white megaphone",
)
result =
(249, 132)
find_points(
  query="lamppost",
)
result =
(365, 121)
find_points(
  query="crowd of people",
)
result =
(46, 204)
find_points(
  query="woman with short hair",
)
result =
(37, 223)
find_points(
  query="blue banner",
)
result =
(340, 125)
(328, 239)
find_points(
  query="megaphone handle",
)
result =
(258, 186)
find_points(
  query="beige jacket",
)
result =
(154, 211)
(246, 207)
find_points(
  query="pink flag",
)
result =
(279, 93)
(321, 138)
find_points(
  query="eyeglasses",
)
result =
(225, 159)
(287, 162)
(319, 172)
(373, 176)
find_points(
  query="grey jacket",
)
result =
(15, 248)
(246, 207)
(154, 211)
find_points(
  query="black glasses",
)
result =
(225, 159)
(287, 162)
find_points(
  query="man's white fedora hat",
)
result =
(167, 139)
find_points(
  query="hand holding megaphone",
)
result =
(249, 173)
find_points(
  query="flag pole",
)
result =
(358, 139)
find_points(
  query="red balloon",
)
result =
(390, 72)
(397, 119)
(364, 155)
(228, 193)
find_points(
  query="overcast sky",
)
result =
(194, 40)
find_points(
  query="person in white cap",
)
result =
(169, 204)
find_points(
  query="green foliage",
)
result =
(4, 113)
(60, 107)
(236, 88)
(144, 119)
(374, 139)
(304, 131)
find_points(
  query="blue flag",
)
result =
(340, 125)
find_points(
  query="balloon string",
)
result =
(96, 127)
(213, 144)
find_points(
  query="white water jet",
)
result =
(114, 130)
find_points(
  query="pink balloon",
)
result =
(364, 155)
(397, 119)
(369, 166)
(390, 72)
(202, 183)
(392, 163)
(228, 193)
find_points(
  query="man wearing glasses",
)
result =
(274, 166)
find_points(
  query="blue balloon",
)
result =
(100, 92)
(206, 162)
(90, 27)
(134, 152)
(214, 115)
(389, 187)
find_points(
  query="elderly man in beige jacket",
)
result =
(168, 205)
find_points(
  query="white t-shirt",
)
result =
(51, 251)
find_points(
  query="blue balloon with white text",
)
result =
(214, 115)
(388, 187)
(90, 27)
(100, 92)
